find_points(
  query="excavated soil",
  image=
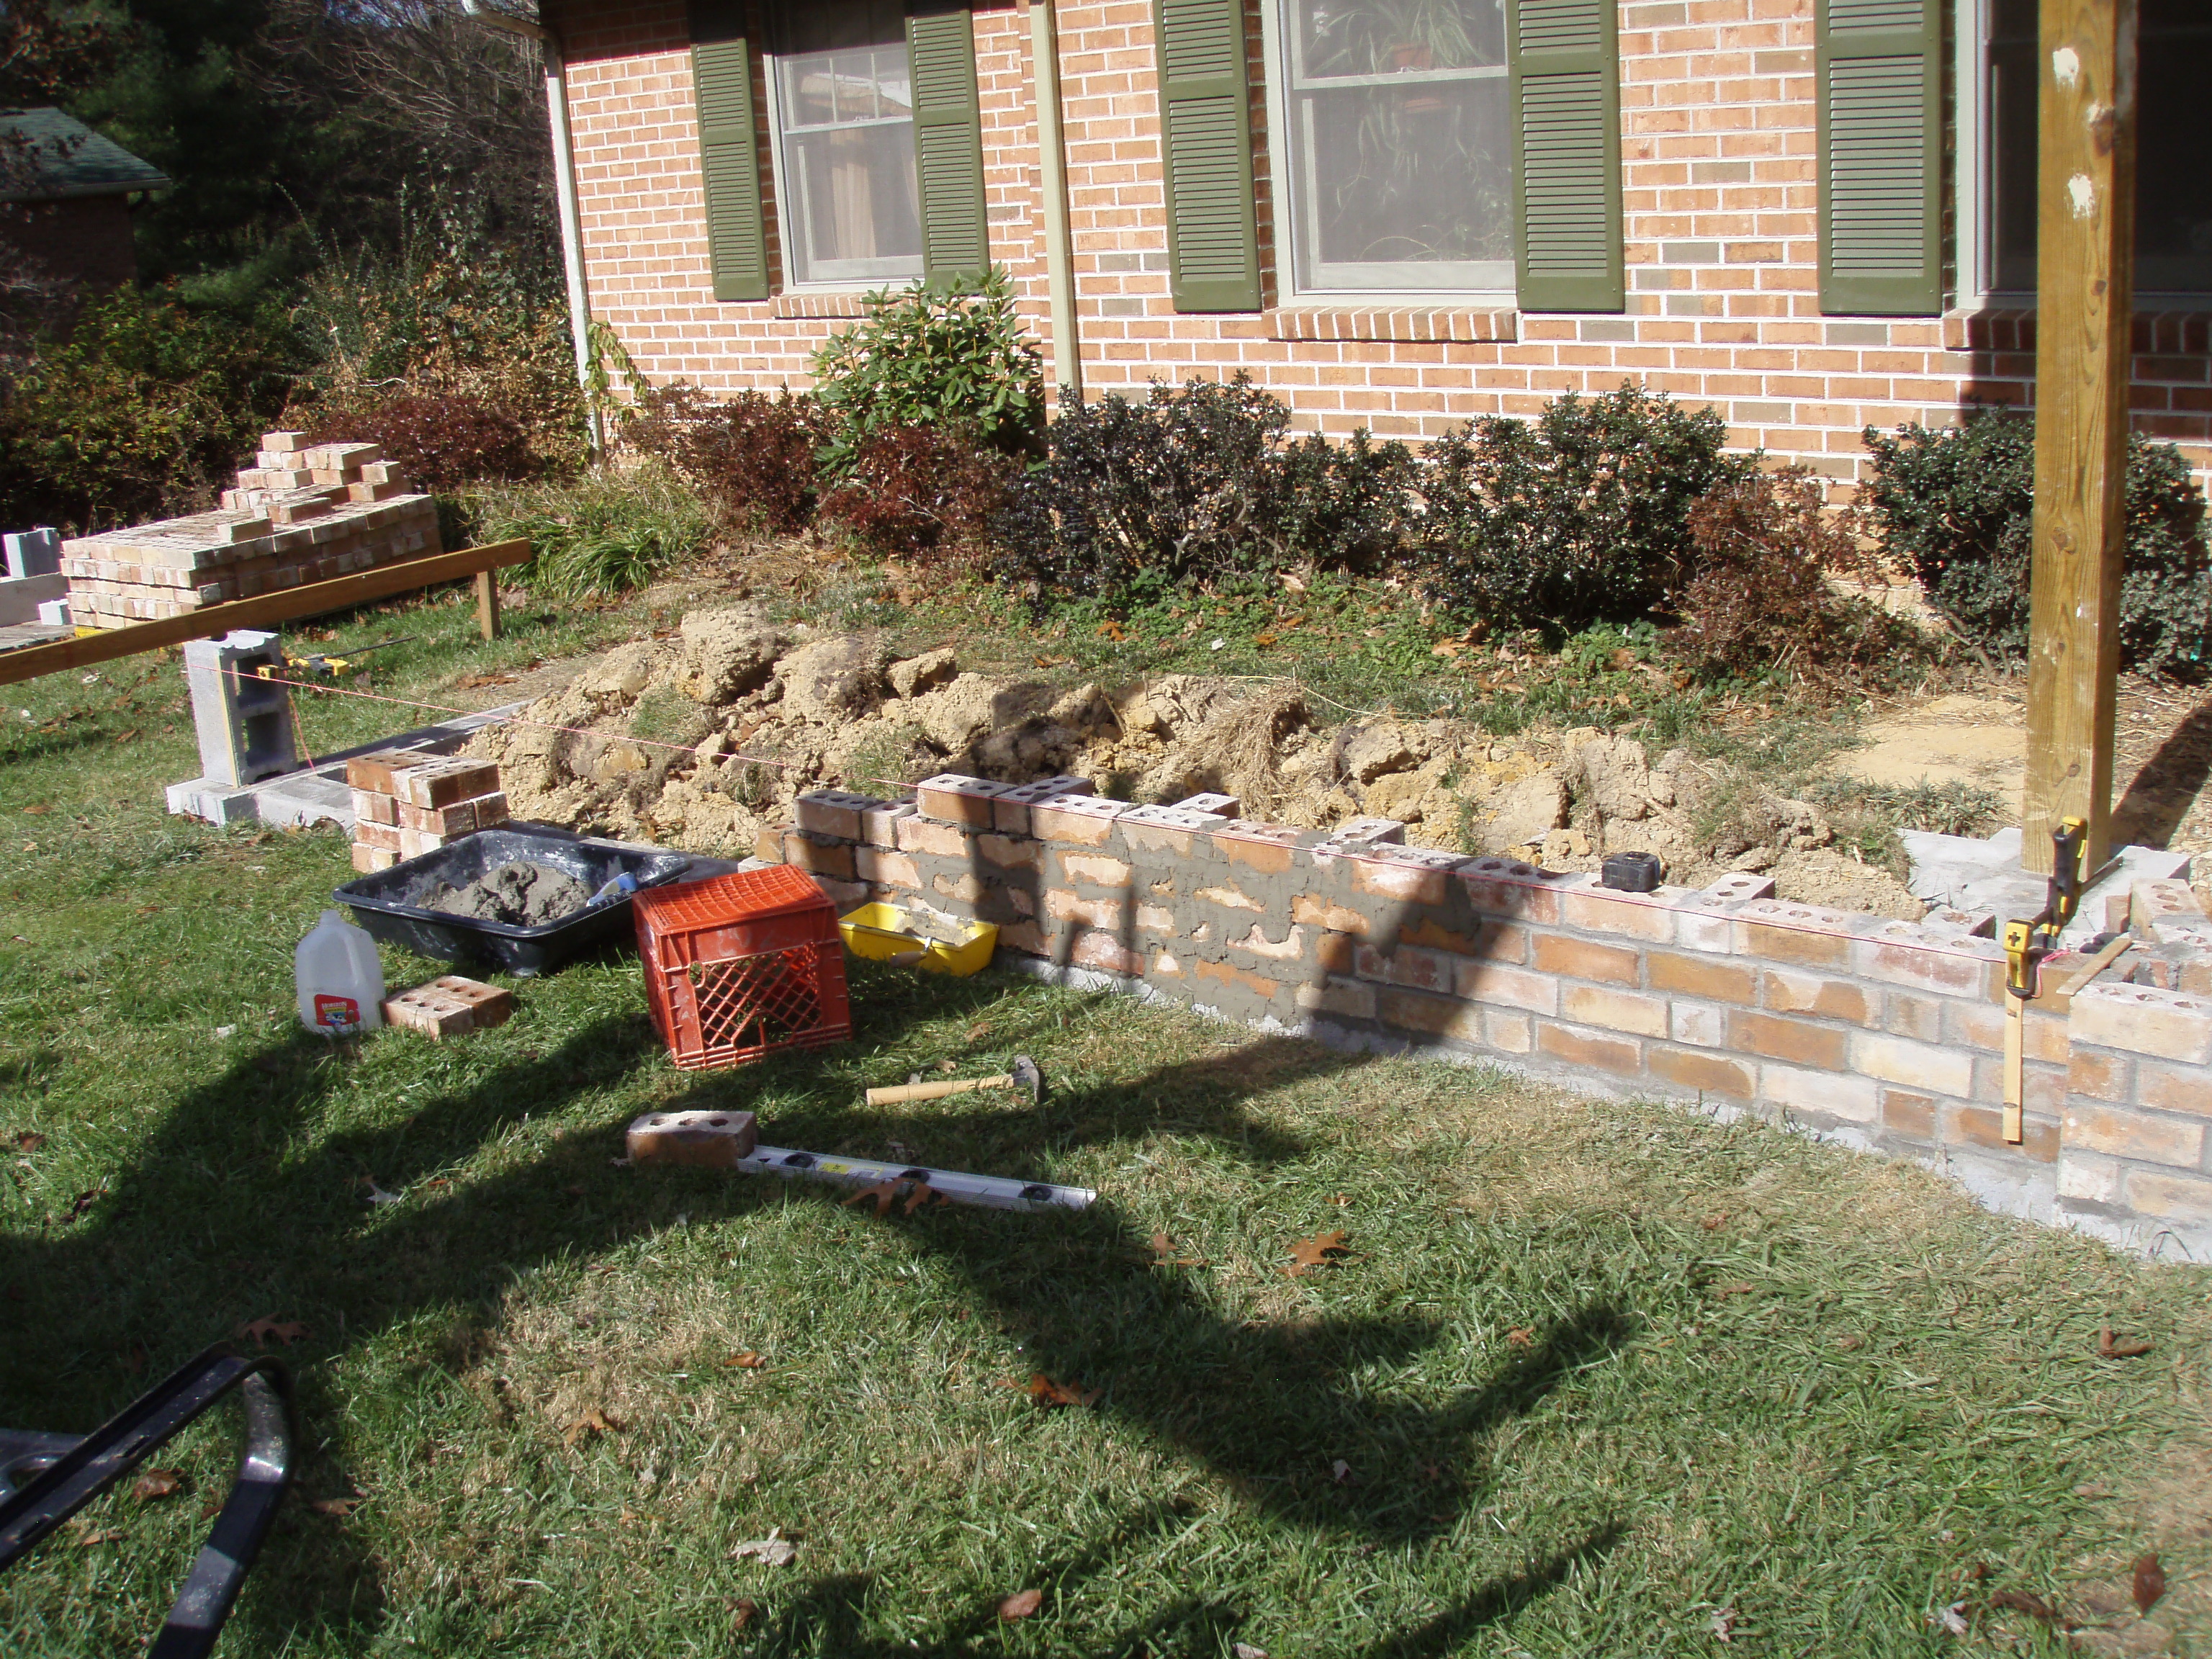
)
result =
(700, 741)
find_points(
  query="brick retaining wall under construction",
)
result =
(1885, 1035)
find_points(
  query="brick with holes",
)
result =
(449, 1006)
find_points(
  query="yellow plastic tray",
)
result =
(881, 932)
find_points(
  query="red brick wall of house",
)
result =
(1719, 199)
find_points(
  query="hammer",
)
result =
(1024, 1076)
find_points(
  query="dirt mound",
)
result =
(701, 742)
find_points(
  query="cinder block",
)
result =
(244, 722)
(1220, 806)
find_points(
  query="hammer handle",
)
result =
(904, 1091)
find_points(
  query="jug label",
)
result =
(339, 1013)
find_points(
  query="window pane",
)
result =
(845, 130)
(1399, 144)
(2173, 148)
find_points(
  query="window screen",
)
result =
(2174, 147)
(1400, 146)
(845, 128)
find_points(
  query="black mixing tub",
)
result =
(387, 903)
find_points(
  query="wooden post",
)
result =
(488, 603)
(2084, 290)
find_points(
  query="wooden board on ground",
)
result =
(315, 599)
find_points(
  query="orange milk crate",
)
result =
(739, 966)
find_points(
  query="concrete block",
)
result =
(34, 552)
(244, 723)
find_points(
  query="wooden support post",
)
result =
(488, 603)
(2085, 289)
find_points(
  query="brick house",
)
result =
(1813, 214)
(65, 198)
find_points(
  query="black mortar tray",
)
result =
(383, 902)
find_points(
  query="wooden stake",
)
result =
(488, 603)
(2015, 1071)
(2085, 283)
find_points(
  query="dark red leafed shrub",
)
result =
(751, 456)
(1762, 600)
(438, 440)
(922, 490)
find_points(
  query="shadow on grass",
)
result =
(235, 1208)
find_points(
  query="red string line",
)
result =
(516, 720)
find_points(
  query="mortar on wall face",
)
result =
(1888, 1035)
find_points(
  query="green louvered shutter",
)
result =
(729, 159)
(1880, 144)
(948, 146)
(1205, 124)
(1566, 163)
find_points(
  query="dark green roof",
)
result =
(48, 156)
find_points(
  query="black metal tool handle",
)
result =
(70, 1474)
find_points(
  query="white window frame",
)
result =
(1974, 201)
(790, 217)
(1282, 182)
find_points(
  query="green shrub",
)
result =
(1196, 485)
(933, 356)
(1957, 504)
(600, 533)
(143, 413)
(1578, 517)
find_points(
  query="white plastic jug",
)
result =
(339, 981)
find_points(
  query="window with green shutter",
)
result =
(1566, 176)
(1206, 125)
(948, 142)
(729, 161)
(1880, 149)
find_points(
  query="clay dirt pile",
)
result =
(702, 740)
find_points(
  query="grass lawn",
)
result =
(1593, 1379)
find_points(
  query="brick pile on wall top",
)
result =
(1888, 1035)
(300, 513)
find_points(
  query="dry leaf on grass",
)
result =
(2027, 1602)
(593, 1421)
(1045, 1392)
(1164, 1254)
(1713, 1223)
(1848, 1343)
(2112, 1347)
(1521, 1336)
(157, 1484)
(747, 1361)
(1738, 1288)
(37, 812)
(1020, 1605)
(1723, 1624)
(743, 1613)
(2149, 1584)
(1246, 1650)
(88, 1536)
(124, 737)
(28, 1141)
(269, 1327)
(774, 1550)
(1317, 1251)
(1340, 1471)
(337, 1507)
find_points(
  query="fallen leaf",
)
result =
(1045, 1392)
(38, 812)
(1723, 1624)
(269, 1326)
(1340, 1471)
(1952, 1619)
(1447, 649)
(592, 1422)
(1263, 639)
(774, 1550)
(87, 1538)
(1739, 1288)
(1848, 1343)
(125, 737)
(2149, 1584)
(1020, 1605)
(1164, 1254)
(744, 1614)
(1110, 629)
(82, 1202)
(884, 1192)
(1520, 1336)
(378, 1195)
(2025, 1601)
(1246, 1650)
(157, 1484)
(1624, 658)
(747, 1361)
(1295, 583)
(1713, 1223)
(337, 1507)
(147, 910)
(2112, 1347)
(1314, 1252)
(28, 1141)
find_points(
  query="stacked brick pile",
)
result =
(1883, 1034)
(406, 803)
(298, 514)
